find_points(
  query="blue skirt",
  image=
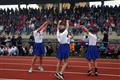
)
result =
(63, 51)
(38, 49)
(92, 53)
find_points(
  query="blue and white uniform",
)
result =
(63, 49)
(92, 51)
(38, 48)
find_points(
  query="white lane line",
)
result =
(56, 61)
(74, 73)
(9, 79)
(71, 58)
(25, 64)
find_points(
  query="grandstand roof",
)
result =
(11, 2)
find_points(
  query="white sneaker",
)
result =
(30, 70)
(41, 68)
(57, 76)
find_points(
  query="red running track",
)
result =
(17, 68)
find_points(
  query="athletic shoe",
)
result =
(30, 70)
(61, 76)
(95, 72)
(41, 68)
(57, 76)
(89, 72)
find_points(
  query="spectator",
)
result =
(19, 45)
(105, 39)
(19, 40)
(8, 41)
(1, 28)
(1, 50)
(31, 39)
(103, 17)
(118, 53)
(2, 40)
(31, 50)
(103, 50)
(49, 49)
(13, 40)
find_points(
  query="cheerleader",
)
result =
(92, 52)
(63, 49)
(38, 49)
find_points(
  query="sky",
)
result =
(109, 3)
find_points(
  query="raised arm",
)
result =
(58, 26)
(43, 26)
(85, 29)
(67, 24)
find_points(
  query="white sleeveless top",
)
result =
(92, 39)
(38, 36)
(62, 37)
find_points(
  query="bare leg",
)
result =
(95, 67)
(89, 65)
(58, 66)
(41, 61)
(64, 65)
(94, 63)
(59, 74)
(33, 61)
(32, 64)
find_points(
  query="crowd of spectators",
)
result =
(12, 46)
(16, 45)
(24, 20)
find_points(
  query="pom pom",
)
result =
(84, 28)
